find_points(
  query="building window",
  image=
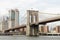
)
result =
(13, 15)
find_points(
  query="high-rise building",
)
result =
(43, 29)
(4, 24)
(46, 29)
(13, 18)
(57, 29)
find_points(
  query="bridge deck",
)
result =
(50, 20)
(22, 26)
(41, 22)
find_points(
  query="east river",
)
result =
(22, 37)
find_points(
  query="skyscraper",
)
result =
(3, 24)
(13, 18)
(57, 29)
(43, 28)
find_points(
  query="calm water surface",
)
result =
(21, 37)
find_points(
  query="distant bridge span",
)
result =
(53, 19)
(19, 27)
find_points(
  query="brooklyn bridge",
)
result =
(33, 22)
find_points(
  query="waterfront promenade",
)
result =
(22, 37)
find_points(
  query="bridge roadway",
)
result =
(19, 27)
(41, 22)
(53, 19)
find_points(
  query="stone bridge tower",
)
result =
(32, 23)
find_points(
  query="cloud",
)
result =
(41, 5)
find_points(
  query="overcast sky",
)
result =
(52, 6)
(46, 6)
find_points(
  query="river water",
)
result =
(22, 37)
